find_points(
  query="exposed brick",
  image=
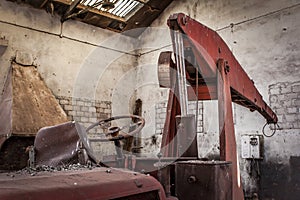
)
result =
(296, 125)
(296, 102)
(296, 88)
(92, 119)
(280, 111)
(84, 119)
(292, 110)
(275, 91)
(80, 103)
(79, 113)
(64, 101)
(273, 98)
(87, 114)
(290, 117)
(71, 113)
(92, 109)
(76, 108)
(200, 129)
(107, 111)
(285, 90)
(84, 108)
(68, 107)
(88, 103)
(94, 114)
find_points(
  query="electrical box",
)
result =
(251, 146)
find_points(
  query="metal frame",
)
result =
(221, 78)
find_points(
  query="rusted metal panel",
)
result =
(27, 104)
(6, 109)
(34, 106)
(209, 180)
(98, 183)
(61, 145)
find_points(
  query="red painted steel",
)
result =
(101, 183)
(208, 47)
(222, 78)
(228, 150)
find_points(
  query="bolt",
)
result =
(192, 179)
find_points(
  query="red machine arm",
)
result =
(208, 48)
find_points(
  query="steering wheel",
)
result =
(115, 133)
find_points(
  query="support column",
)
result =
(228, 149)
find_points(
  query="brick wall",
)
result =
(160, 115)
(85, 111)
(285, 100)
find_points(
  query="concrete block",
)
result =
(92, 119)
(75, 108)
(79, 113)
(24, 58)
(296, 88)
(76, 118)
(92, 109)
(84, 119)
(87, 114)
(80, 103)
(84, 108)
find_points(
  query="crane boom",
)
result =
(208, 47)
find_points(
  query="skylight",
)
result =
(120, 8)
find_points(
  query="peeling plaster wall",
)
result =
(68, 55)
(264, 37)
(82, 65)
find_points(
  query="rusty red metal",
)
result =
(98, 183)
(197, 179)
(228, 149)
(221, 78)
(208, 47)
(62, 144)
